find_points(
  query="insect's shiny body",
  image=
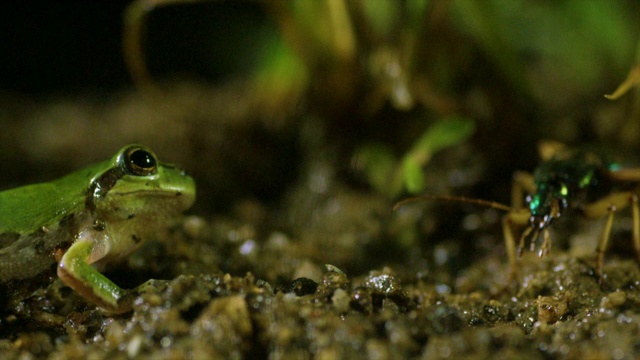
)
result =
(566, 181)
(569, 180)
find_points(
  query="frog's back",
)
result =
(25, 209)
(34, 221)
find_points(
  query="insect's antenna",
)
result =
(462, 199)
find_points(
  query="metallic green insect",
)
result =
(567, 181)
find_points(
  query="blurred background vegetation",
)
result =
(384, 97)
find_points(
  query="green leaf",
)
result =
(444, 133)
(377, 162)
(413, 176)
(389, 176)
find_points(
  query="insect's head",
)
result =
(547, 204)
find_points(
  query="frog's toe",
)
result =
(152, 286)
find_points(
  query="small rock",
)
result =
(340, 300)
(614, 299)
(551, 308)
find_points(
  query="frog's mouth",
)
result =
(150, 193)
(164, 195)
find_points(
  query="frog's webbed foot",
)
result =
(123, 306)
(126, 302)
(151, 286)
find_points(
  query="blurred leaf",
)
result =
(389, 176)
(377, 162)
(416, 10)
(413, 175)
(320, 29)
(444, 133)
(487, 22)
(382, 15)
(633, 79)
(562, 49)
(447, 132)
(280, 78)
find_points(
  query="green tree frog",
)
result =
(92, 217)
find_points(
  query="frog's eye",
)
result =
(139, 161)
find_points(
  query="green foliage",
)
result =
(280, 73)
(577, 42)
(390, 175)
(377, 161)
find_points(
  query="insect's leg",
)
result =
(626, 174)
(546, 243)
(518, 218)
(609, 204)
(522, 183)
(523, 236)
(619, 201)
(602, 243)
(534, 239)
(636, 225)
(510, 245)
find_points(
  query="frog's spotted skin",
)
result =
(89, 218)
(29, 255)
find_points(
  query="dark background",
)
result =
(71, 47)
(54, 47)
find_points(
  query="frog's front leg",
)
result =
(76, 272)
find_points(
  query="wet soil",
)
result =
(325, 268)
(234, 288)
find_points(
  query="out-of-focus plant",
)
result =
(275, 81)
(341, 51)
(390, 175)
(631, 128)
(351, 60)
(359, 42)
(633, 79)
(557, 49)
(389, 50)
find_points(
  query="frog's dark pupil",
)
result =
(141, 162)
(143, 159)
